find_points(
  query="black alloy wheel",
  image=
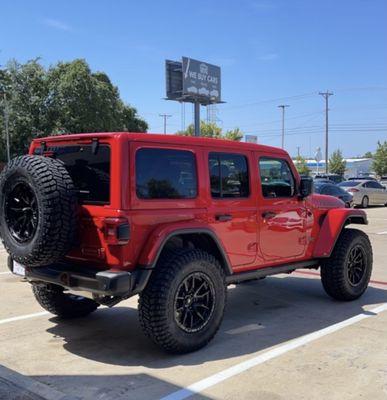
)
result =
(21, 212)
(194, 302)
(356, 266)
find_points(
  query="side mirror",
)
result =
(306, 187)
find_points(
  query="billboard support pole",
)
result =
(197, 118)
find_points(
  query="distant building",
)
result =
(355, 166)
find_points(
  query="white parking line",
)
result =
(5, 273)
(382, 233)
(21, 317)
(221, 376)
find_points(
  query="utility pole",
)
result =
(283, 106)
(298, 151)
(165, 116)
(6, 124)
(326, 97)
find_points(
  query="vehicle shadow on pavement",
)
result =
(259, 315)
(108, 387)
(15, 386)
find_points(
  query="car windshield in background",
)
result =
(89, 170)
(349, 183)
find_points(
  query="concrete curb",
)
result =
(30, 388)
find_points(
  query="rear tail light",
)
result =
(354, 190)
(116, 230)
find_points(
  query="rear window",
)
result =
(349, 183)
(165, 174)
(89, 170)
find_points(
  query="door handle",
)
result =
(268, 214)
(223, 217)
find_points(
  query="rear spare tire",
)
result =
(38, 210)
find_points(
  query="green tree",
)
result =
(212, 130)
(234, 134)
(206, 130)
(66, 98)
(337, 164)
(368, 154)
(380, 159)
(302, 166)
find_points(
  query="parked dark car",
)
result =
(331, 189)
(322, 180)
(362, 178)
(334, 178)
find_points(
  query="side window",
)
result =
(228, 175)
(374, 185)
(276, 178)
(165, 174)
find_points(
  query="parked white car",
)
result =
(366, 192)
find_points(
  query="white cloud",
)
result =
(268, 57)
(56, 24)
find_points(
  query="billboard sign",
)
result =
(201, 81)
(251, 139)
(174, 79)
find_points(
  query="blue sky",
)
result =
(271, 52)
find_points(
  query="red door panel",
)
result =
(281, 213)
(232, 211)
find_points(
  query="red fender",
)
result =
(162, 233)
(333, 223)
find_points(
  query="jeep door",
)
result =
(281, 213)
(231, 204)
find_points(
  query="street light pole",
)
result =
(283, 106)
(326, 96)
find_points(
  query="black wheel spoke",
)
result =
(199, 296)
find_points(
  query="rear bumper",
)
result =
(101, 283)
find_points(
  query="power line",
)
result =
(303, 96)
(256, 103)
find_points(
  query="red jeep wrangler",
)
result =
(94, 219)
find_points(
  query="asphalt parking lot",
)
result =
(282, 338)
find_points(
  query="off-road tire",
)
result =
(64, 305)
(56, 209)
(157, 301)
(365, 202)
(334, 270)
